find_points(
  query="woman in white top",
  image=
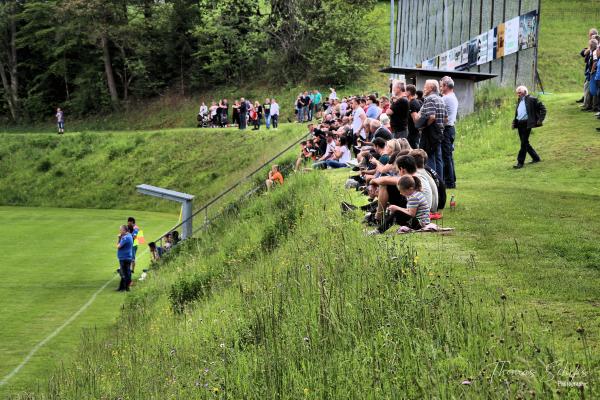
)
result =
(341, 155)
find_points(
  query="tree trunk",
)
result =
(108, 68)
(14, 73)
(7, 90)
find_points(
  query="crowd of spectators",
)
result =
(243, 113)
(400, 149)
(591, 87)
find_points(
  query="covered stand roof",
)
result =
(473, 76)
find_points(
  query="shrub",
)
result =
(44, 166)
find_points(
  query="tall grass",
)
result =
(322, 313)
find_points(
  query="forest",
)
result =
(97, 56)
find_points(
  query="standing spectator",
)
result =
(358, 119)
(138, 237)
(267, 111)
(213, 114)
(317, 105)
(398, 111)
(300, 108)
(414, 106)
(203, 110)
(224, 113)
(124, 255)
(243, 110)
(332, 94)
(258, 109)
(343, 107)
(373, 110)
(236, 112)
(529, 113)
(311, 105)
(274, 177)
(451, 102)
(431, 120)
(274, 113)
(589, 65)
(60, 121)
(307, 101)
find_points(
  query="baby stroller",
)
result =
(203, 121)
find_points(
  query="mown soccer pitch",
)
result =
(53, 262)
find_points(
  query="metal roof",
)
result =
(473, 76)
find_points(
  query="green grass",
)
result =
(53, 261)
(307, 306)
(564, 26)
(101, 170)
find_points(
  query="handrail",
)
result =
(228, 190)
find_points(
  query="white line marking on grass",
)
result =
(72, 318)
(53, 334)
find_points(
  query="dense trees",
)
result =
(92, 56)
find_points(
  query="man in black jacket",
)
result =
(530, 113)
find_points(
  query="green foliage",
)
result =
(101, 170)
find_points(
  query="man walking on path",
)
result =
(447, 88)
(529, 113)
(124, 255)
(60, 121)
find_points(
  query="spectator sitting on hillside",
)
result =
(176, 238)
(275, 177)
(415, 214)
(420, 157)
(168, 242)
(155, 251)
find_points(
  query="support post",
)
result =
(186, 201)
(186, 216)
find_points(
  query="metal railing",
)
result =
(204, 210)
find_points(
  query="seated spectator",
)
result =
(176, 239)
(275, 177)
(341, 155)
(385, 121)
(329, 152)
(156, 252)
(420, 157)
(168, 242)
(416, 213)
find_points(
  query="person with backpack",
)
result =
(529, 113)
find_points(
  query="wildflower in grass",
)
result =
(215, 390)
(503, 296)
(222, 345)
(580, 329)
(466, 382)
(306, 339)
(416, 259)
(306, 391)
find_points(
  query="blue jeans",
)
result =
(434, 160)
(447, 156)
(335, 164)
(301, 112)
(125, 272)
(268, 120)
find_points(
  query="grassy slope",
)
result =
(564, 26)
(48, 274)
(101, 170)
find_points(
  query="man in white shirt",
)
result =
(274, 113)
(333, 94)
(451, 102)
(358, 119)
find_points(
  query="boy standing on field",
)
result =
(60, 121)
(138, 237)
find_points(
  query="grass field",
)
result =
(101, 169)
(308, 306)
(53, 261)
